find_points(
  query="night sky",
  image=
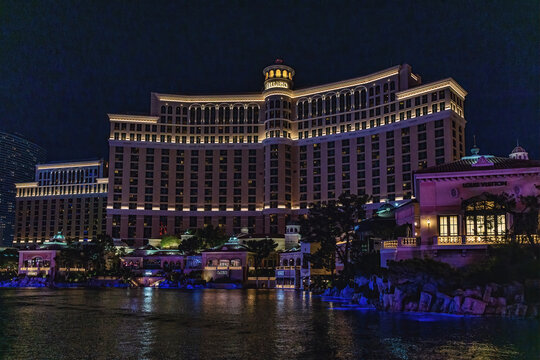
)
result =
(64, 65)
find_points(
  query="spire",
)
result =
(475, 150)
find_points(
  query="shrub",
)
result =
(506, 263)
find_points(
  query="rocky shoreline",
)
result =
(490, 300)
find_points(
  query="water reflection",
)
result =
(225, 324)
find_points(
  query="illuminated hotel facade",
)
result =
(67, 198)
(258, 160)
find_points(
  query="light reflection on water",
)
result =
(235, 324)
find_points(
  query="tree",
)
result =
(261, 250)
(526, 222)
(9, 261)
(333, 225)
(315, 228)
(191, 245)
(210, 236)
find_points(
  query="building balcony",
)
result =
(223, 268)
(408, 241)
(63, 269)
(401, 242)
(34, 269)
(524, 239)
(288, 267)
(470, 240)
(458, 240)
(390, 244)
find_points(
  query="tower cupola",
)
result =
(278, 75)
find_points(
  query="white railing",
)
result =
(526, 238)
(35, 268)
(390, 244)
(408, 241)
(449, 240)
(484, 239)
(223, 268)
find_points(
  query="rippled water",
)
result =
(236, 324)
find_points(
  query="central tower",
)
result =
(279, 151)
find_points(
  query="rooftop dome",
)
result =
(519, 153)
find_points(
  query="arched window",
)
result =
(319, 106)
(285, 73)
(385, 87)
(266, 76)
(300, 110)
(169, 110)
(221, 115)
(224, 262)
(236, 262)
(271, 73)
(235, 115)
(212, 115)
(250, 115)
(483, 217)
(206, 115)
(227, 115)
(278, 73)
(363, 99)
(241, 115)
(163, 109)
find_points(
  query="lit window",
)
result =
(285, 73)
(271, 73)
(278, 73)
(448, 225)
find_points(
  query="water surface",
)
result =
(240, 324)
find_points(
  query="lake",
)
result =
(240, 324)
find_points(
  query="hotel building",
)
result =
(458, 214)
(258, 160)
(18, 158)
(67, 198)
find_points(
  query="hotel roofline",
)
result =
(70, 164)
(315, 90)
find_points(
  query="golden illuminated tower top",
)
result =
(278, 75)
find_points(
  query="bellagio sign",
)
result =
(277, 83)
